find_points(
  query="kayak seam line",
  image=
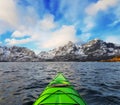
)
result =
(47, 88)
(61, 93)
(64, 93)
(72, 98)
(60, 90)
(49, 96)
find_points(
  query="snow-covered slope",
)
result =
(66, 52)
(91, 51)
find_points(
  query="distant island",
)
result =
(94, 50)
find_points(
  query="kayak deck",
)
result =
(59, 92)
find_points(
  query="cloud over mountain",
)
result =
(44, 24)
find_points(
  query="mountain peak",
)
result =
(94, 41)
(70, 43)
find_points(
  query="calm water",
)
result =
(98, 83)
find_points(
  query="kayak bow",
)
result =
(59, 92)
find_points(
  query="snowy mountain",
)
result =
(99, 50)
(16, 54)
(66, 52)
(94, 50)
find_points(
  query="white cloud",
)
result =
(91, 11)
(113, 39)
(15, 17)
(44, 34)
(85, 37)
(46, 40)
(0, 43)
(72, 10)
(8, 12)
(18, 34)
(37, 30)
(101, 5)
(117, 21)
(89, 23)
(4, 27)
(60, 37)
(13, 41)
(116, 12)
(47, 23)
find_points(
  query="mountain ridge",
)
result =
(94, 50)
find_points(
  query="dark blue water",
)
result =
(21, 83)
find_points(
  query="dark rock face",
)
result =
(98, 50)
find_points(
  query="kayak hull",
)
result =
(59, 92)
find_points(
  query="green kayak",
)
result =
(59, 92)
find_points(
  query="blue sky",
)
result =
(46, 24)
